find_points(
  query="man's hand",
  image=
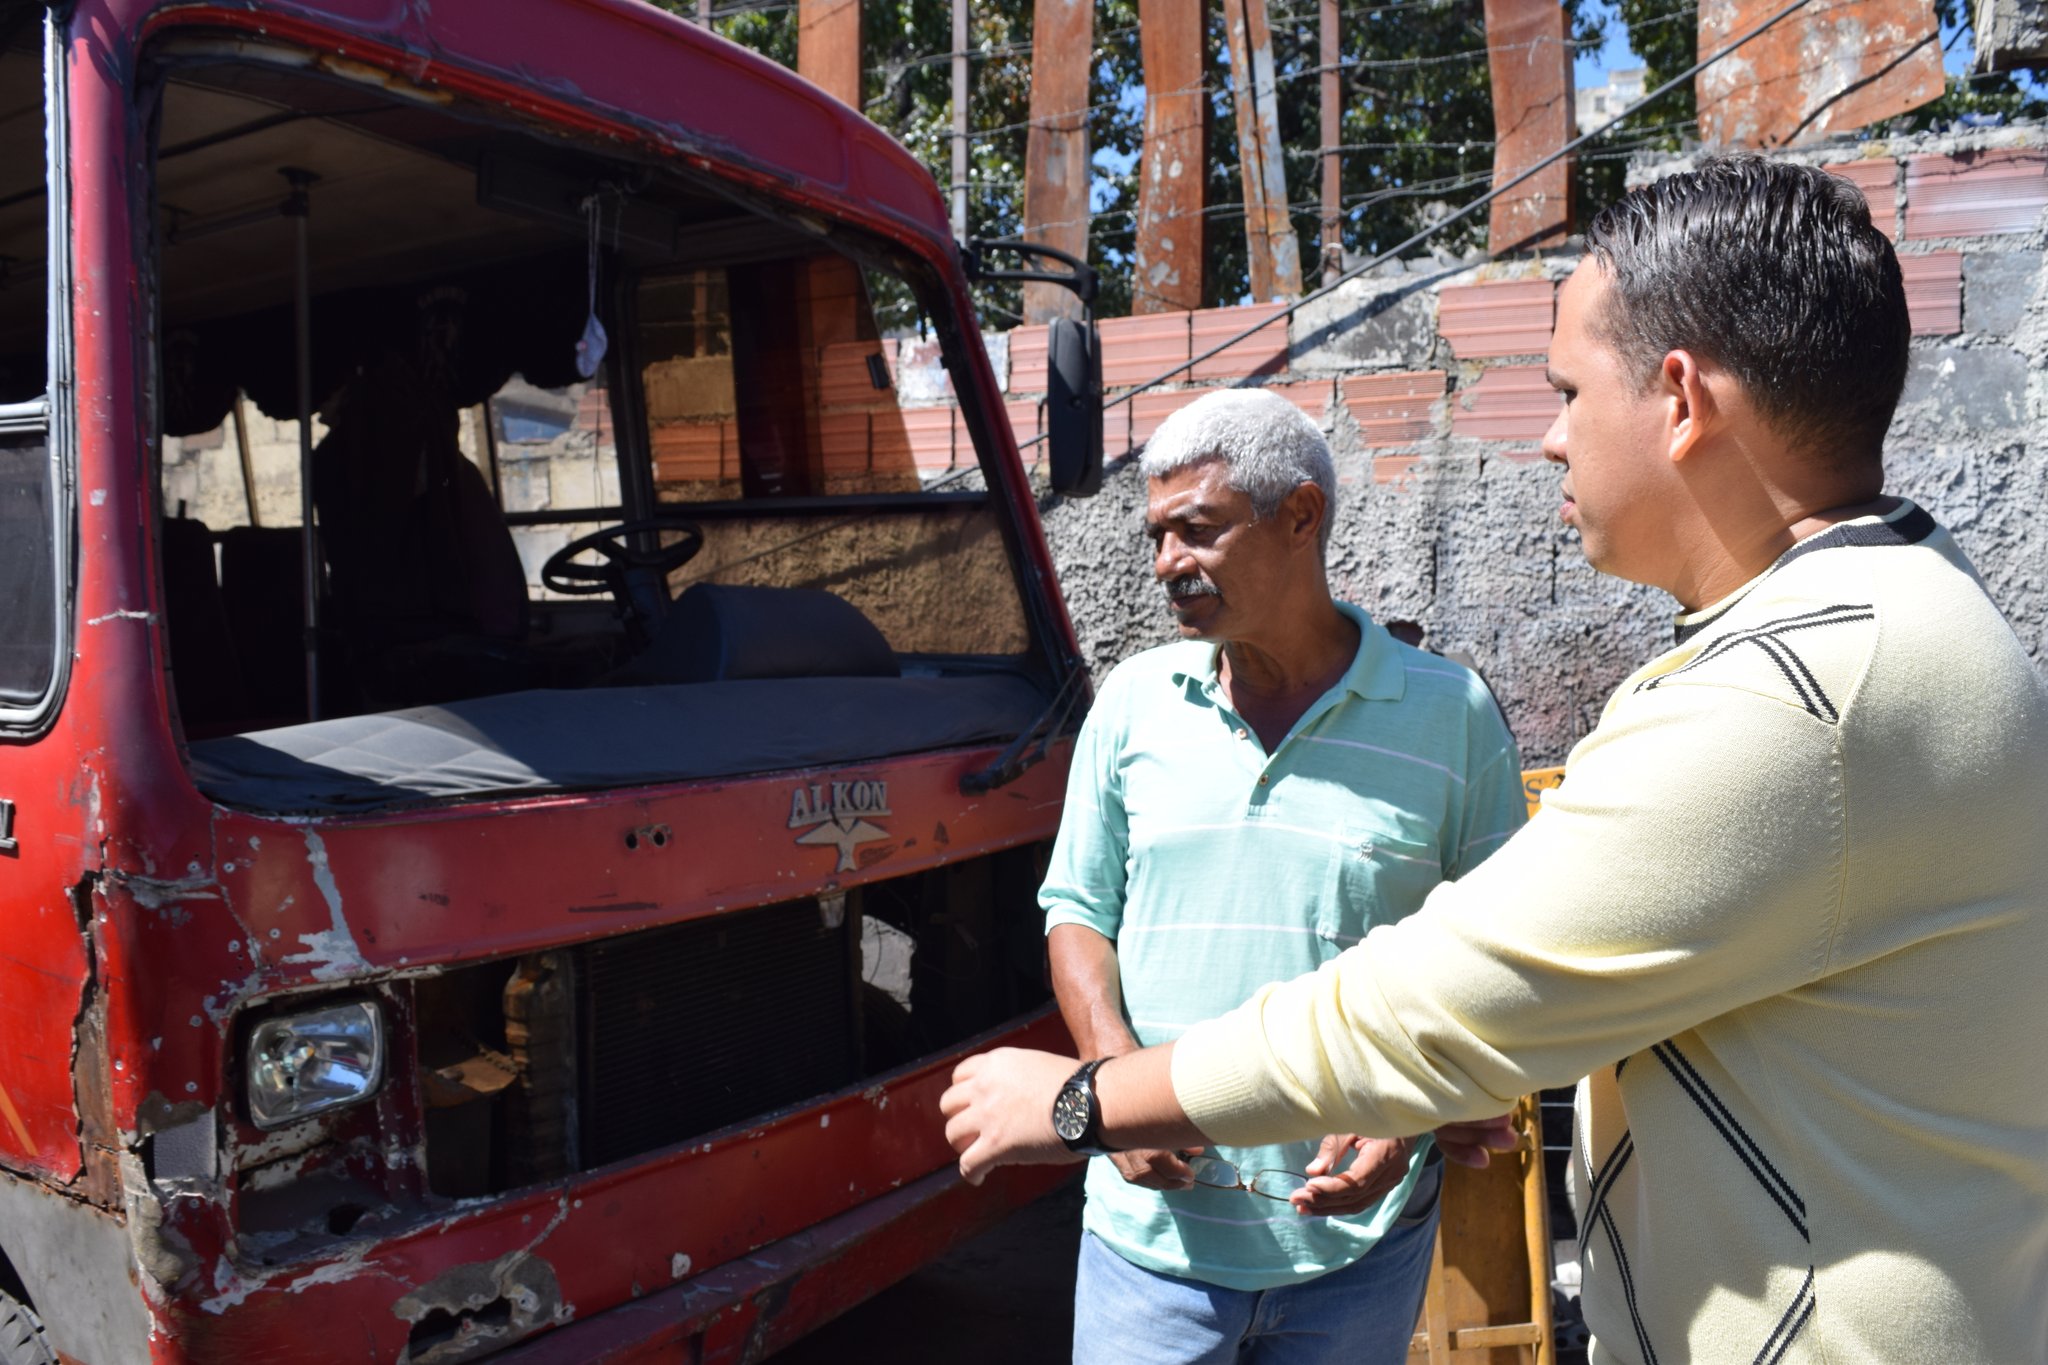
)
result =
(1379, 1164)
(1156, 1168)
(999, 1110)
(1473, 1144)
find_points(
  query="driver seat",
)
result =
(427, 588)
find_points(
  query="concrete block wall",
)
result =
(1429, 378)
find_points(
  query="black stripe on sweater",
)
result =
(1910, 529)
(1768, 638)
(1733, 1133)
(1796, 1314)
(1603, 1184)
(1628, 1287)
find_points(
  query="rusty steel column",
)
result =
(1829, 69)
(1056, 150)
(1272, 250)
(1329, 54)
(828, 47)
(1531, 64)
(1173, 161)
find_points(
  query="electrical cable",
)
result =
(1467, 211)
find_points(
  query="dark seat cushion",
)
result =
(717, 632)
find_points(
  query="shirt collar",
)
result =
(1375, 674)
(1905, 524)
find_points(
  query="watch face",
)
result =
(1070, 1114)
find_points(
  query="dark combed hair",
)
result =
(1773, 272)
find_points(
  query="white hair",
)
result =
(1270, 446)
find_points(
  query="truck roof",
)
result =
(623, 61)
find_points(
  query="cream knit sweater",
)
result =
(1789, 910)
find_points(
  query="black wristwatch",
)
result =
(1077, 1114)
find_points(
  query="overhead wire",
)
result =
(1416, 239)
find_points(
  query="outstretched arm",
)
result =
(1668, 882)
(999, 1111)
(999, 1108)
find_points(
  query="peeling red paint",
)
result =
(1829, 69)
(156, 920)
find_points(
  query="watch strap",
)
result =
(1090, 1142)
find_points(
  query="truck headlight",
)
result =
(304, 1064)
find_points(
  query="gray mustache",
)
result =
(1191, 587)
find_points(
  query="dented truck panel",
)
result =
(483, 1200)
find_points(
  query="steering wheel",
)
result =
(636, 578)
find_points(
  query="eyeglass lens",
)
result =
(1222, 1175)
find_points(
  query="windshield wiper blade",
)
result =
(1013, 762)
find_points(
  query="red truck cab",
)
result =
(515, 724)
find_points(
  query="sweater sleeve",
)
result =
(1691, 863)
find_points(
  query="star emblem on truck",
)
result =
(836, 814)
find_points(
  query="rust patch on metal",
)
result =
(1836, 65)
(1056, 148)
(99, 1148)
(1168, 276)
(473, 1310)
(1531, 66)
(539, 1003)
(1272, 251)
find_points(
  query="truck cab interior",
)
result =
(611, 479)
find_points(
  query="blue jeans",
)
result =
(1363, 1314)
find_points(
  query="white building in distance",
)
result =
(1599, 103)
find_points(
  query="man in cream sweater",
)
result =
(1788, 910)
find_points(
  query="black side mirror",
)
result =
(1073, 382)
(1073, 407)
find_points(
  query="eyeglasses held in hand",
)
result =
(1218, 1174)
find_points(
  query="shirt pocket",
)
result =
(1380, 872)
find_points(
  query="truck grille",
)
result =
(690, 1028)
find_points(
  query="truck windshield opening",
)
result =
(611, 476)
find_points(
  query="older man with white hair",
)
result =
(1243, 805)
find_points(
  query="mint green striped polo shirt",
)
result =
(1216, 867)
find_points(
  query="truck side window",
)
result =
(772, 388)
(28, 530)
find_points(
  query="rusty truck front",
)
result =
(517, 726)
